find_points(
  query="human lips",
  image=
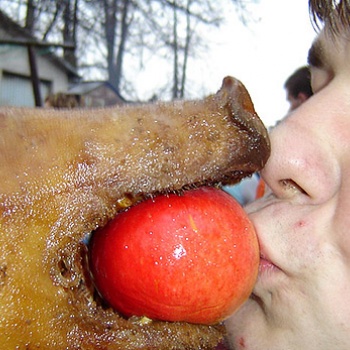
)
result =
(267, 256)
(266, 264)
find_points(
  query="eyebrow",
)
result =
(316, 55)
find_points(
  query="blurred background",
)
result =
(106, 52)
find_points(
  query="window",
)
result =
(17, 90)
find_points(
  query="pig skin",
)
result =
(65, 173)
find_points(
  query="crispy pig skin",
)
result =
(65, 173)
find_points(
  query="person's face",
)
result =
(295, 102)
(302, 296)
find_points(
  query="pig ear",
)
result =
(233, 90)
(251, 135)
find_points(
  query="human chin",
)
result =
(256, 324)
(246, 328)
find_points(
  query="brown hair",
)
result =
(334, 13)
(299, 82)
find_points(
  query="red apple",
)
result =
(191, 257)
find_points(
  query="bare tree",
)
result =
(70, 20)
(176, 52)
(180, 68)
(187, 48)
(56, 20)
(116, 22)
(30, 16)
(108, 33)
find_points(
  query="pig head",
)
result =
(65, 173)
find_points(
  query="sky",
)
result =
(262, 55)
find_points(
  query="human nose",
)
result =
(302, 165)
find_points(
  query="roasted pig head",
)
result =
(65, 173)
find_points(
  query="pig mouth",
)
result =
(70, 186)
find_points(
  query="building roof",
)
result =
(85, 87)
(11, 33)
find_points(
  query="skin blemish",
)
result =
(300, 224)
(241, 343)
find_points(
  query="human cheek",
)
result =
(291, 235)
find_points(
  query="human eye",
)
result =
(321, 72)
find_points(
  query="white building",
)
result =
(20, 76)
